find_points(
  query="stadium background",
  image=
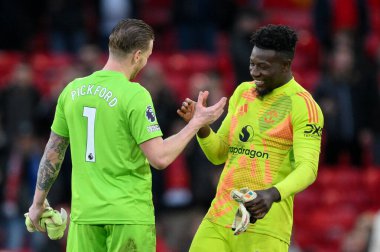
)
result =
(200, 44)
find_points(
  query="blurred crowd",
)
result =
(200, 45)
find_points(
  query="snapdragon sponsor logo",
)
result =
(246, 134)
(248, 152)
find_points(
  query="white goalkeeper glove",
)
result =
(242, 216)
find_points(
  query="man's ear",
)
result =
(286, 64)
(136, 56)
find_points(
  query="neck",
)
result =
(288, 77)
(123, 66)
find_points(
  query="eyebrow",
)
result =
(260, 62)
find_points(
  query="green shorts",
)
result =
(221, 239)
(112, 238)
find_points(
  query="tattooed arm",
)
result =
(47, 173)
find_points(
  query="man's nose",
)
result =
(254, 73)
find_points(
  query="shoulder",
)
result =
(138, 97)
(244, 86)
(138, 87)
(300, 96)
(75, 83)
(243, 91)
(67, 89)
(130, 92)
(304, 106)
(136, 90)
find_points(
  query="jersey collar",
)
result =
(284, 87)
(108, 73)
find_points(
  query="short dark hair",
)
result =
(280, 38)
(129, 35)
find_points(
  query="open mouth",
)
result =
(259, 84)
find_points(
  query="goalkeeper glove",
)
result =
(52, 221)
(242, 216)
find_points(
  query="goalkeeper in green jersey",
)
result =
(270, 144)
(111, 126)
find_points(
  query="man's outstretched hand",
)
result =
(198, 111)
(187, 109)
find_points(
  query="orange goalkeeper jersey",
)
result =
(266, 142)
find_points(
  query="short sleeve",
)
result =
(142, 118)
(59, 125)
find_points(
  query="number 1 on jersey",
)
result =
(90, 146)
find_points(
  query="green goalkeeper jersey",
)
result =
(266, 142)
(106, 117)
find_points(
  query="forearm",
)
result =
(174, 145)
(50, 166)
(162, 152)
(298, 180)
(47, 173)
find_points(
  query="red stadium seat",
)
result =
(371, 186)
(308, 199)
(49, 68)
(201, 62)
(8, 61)
(307, 78)
(348, 179)
(340, 194)
(157, 13)
(225, 68)
(303, 236)
(177, 64)
(330, 225)
(276, 16)
(43, 61)
(288, 5)
(325, 177)
(179, 84)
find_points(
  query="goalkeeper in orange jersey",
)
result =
(270, 144)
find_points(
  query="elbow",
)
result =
(314, 174)
(159, 164)
(217, 157)
(313, 178)
(217, 162)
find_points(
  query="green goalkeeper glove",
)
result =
(52, 221)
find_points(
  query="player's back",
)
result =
(110, 173)
(94, 108)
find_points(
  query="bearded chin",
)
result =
(262, 93)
